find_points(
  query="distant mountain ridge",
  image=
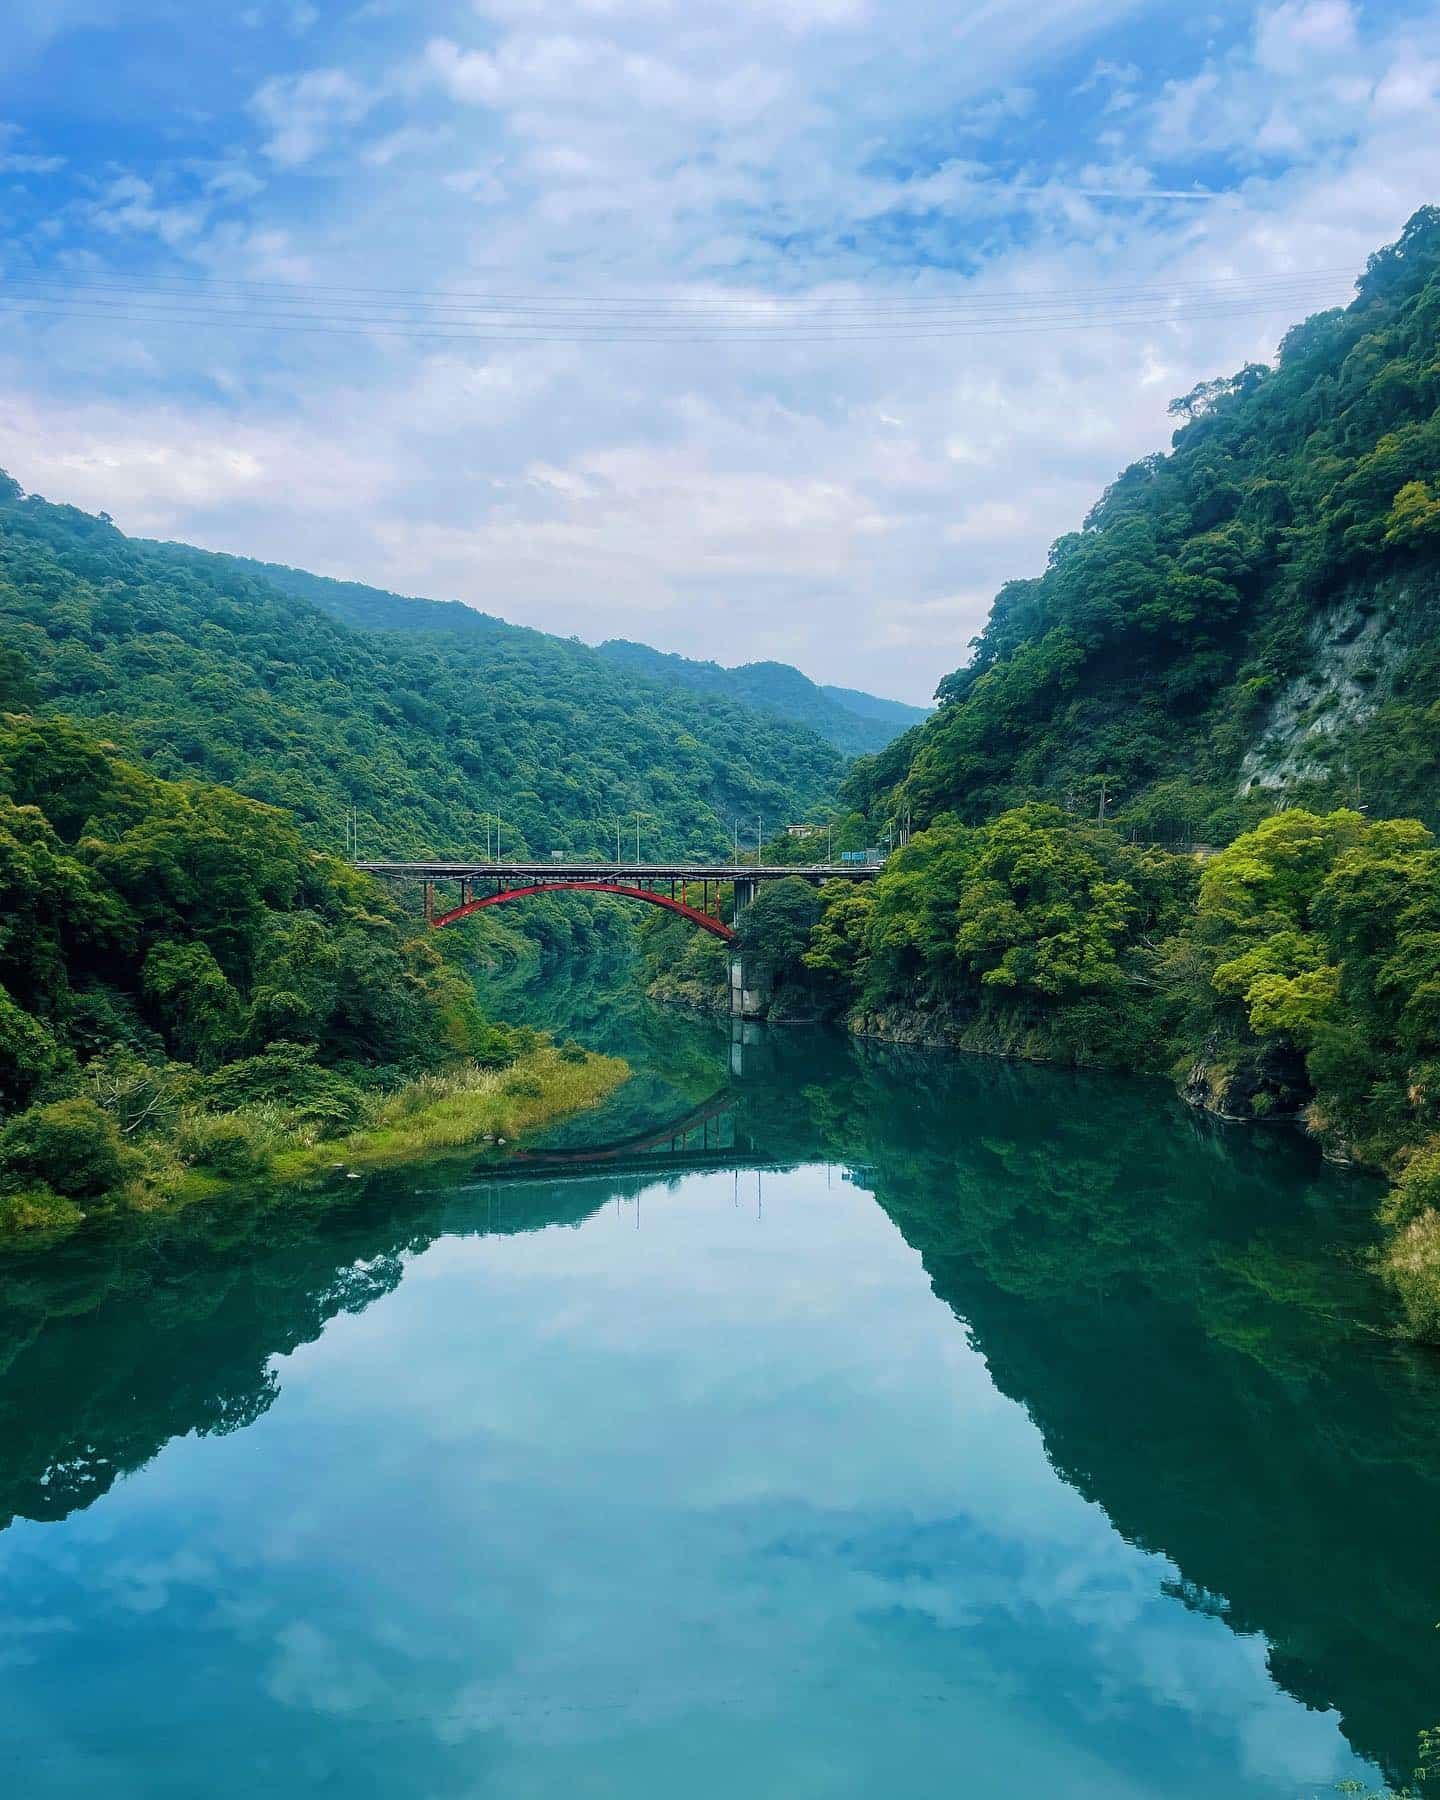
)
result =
(301, 693)
(899, 713)
(355, 604)
(856, 723)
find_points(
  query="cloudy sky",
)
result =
(782, 328)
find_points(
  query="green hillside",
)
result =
(853, 722)
(352, 602)
(1253, 613)
(199, 667)
(1240, 646)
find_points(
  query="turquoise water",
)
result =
(813, 1421)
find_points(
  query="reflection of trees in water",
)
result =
(587, 991)
(596, 998)
(1183, 1312)
(1178, 1306)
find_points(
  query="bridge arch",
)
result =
(706, 921)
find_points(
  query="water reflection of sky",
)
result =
(722, 1505)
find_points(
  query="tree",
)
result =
(1038, 911)
(196, 1008)
(773, 932)
(70, 1146)
(838, 953)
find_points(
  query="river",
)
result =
(815, 1422)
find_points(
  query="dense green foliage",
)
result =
(1031, 933)
(1185, 619)
(142, 913)
(199, 667)
(853, 722)
(1239, 644)
(171, 952)
(1296, 971)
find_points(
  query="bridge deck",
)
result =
(524, 874)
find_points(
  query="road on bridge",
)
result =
(526, 874)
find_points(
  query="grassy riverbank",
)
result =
(440, 1113)
(205, 1154)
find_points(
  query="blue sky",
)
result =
(1041, 222)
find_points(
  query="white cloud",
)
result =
(854, 500)
(303, 113)
(129, 204)
(17, 162)
(409, 140)
(23, 162)
(1294, 36)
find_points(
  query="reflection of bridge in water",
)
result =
(711, 1135)
(732, 1129)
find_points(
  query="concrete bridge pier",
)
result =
(749, 994)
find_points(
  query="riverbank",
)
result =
(1254, 1085)
(204, 1155)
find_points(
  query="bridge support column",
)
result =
(749, 995)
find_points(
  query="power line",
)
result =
(141, 310)
(51, 294)
(297, 294)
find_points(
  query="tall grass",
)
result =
(452, 1111)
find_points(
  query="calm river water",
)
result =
(815, 1423)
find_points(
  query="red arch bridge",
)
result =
(690, 889)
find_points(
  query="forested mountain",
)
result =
(854, 722)
(200, 667)
(1241, 645)
(352, 602)
(1255, 611)
(897, 713)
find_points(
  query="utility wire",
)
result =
(1057, 310)
(500, 328)
(742, 311)
(658, 301)
(737, 320)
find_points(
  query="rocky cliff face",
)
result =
(1247, 1082)
(1357, 652)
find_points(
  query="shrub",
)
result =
(1412, 1266)
(37, 1212)
(523, 1087)
(230, 1145)
(1416, 1189)
(288, 1076)
(573, 1053)
(29, 1054)
(70, 1146)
